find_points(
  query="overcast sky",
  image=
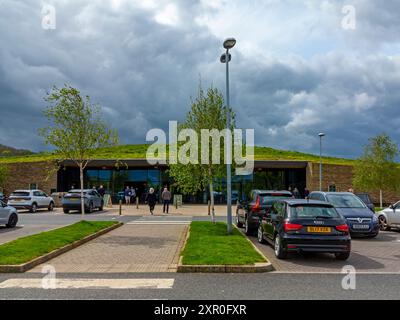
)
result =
(298, 67)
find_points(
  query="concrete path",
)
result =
(141, 247)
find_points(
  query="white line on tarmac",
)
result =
(38, 283)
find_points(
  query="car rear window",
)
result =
(269, 199)
(313, 212)
(345, 201)
(20, 194)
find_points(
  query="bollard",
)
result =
(120, 207)
(209, 207)
(137, 202)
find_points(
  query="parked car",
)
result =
(31, 200)
(1, 196)
(8, 215)
(390, 217)
(295, 225)
(72, 200)
(360, 219)
(367, 200)
(249, 213)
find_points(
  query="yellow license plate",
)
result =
(74, 199)
(319, 229)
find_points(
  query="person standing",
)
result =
(306, 193)
(133, 195)
(151, 200)
(127, 194)
(102, 191)
(296, 193)
(166, 198)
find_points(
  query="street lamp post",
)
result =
(321, 135)
(225, 58)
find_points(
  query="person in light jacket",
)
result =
(166, 198)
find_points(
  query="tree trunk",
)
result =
(82, 198)
(212, 203)
(380, 198)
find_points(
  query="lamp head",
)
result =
(229, 43)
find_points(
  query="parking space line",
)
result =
(90, 283)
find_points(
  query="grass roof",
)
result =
(139, 152)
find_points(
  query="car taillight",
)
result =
(292, 227)
(257, 205)
(343, 228)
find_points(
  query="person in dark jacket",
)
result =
(102, 191)
(151, 200)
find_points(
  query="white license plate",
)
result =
(360, 226)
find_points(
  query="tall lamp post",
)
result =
(321, 135)
(225, 58)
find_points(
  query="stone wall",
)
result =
(21, 175)
(342, 177)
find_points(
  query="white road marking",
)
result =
(91, 283)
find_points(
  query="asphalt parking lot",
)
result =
(379, 255)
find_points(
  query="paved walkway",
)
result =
(135, 247)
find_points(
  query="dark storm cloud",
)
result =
(142, 61)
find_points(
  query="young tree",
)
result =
(76, 129)
(377, 168)
(4, 173)
(207, 112)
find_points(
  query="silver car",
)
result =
(8, 215)
(72, 200)
(390, 217)
(31, 200)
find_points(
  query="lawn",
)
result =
(139, 152)
(25, 249)
(209, 244)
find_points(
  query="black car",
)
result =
(249, 213)
(305, 226)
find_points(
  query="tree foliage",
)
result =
(76, 128)
(377, 168)
(207, 112)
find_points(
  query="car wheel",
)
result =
(33, 208)
(260, 235)
(66, 210)
(12, 221)
(101, 206)
(247, 229)
(280, 253)
(383, 224)
(51, 206)
(342, 256)
(238, 223)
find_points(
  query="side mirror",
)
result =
(392, 207)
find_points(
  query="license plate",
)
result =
(74, 199)
(360, 226)
(319, 229)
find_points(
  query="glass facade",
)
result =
(115, 181)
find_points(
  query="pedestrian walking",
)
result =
(151, 200)
(127, 194)
(166, 198)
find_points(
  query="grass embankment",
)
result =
(209, 244)
(139, 152)
(27, 248)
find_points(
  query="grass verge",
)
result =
(209, 244)
(27, 248)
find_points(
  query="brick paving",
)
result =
(130, 248)
(381, 254)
